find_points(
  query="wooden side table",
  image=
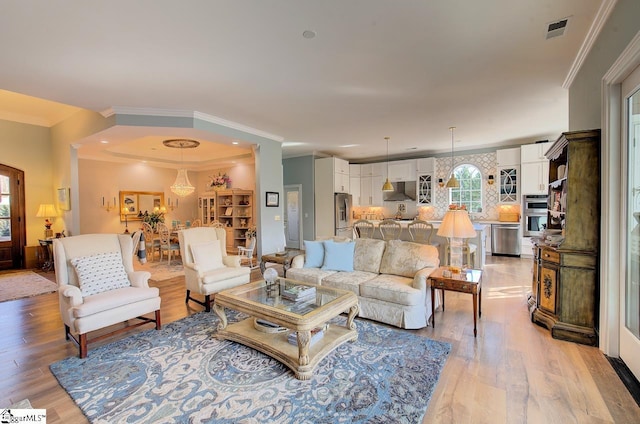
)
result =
(469, 281)
(283, 259)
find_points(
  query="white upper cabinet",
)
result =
(373, 169)
(402, 170)
(508, 157)
(426, 165)
(354, 170)
(341, 166)
(354, 189)
(534, 152)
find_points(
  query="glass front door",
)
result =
(630, 293)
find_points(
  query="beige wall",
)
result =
(585, 101)
(98, 179)
(27, 147)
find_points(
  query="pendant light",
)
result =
(182, 186)
(387, 185)
(453, 182)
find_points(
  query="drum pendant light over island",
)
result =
(387, 185)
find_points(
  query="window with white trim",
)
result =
(469, 193)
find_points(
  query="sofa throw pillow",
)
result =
(338, 256)
(100, 273)
(207, 256)
(313, 254)
(405, 258)
(368, 254)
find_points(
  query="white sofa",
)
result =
(390, 279)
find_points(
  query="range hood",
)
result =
(402, 190)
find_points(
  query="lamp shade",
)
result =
(456, 224)
(46, 210)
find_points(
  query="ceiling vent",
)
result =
(557, 28)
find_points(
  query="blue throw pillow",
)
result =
(313, 254)
(338, 256)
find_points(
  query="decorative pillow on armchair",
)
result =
(100, 273)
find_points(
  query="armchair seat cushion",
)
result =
(221, 274)
(348, 280)
(392, 288)
(114, 298)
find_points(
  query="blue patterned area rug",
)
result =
(184, 374)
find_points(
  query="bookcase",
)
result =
(566, 258)
(235, 212)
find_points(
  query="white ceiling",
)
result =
(408, 70)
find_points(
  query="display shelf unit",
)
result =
(425, 189)
(235, 212)
(207, 208)
(566, 274)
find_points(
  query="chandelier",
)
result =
(182, 186)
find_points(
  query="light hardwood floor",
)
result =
(513, 372)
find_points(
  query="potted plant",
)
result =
(219, 182)
(153, 218)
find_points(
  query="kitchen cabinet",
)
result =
(354, 170)
(534, 168)
(341, 183)
(354, 190)
(402, 170)
(508, 184)
(331, 175)
(340, 166)
(534, 152)
(373, 169)
(508, 157)
(425, 189)
(567, 276)
(534, 177)
(371, 191)
(426, 166)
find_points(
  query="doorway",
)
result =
(629, 325)
(12, 221)
(293, 215)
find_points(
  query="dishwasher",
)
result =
(505, 239)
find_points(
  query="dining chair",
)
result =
(216, 224)
(196, 223)
(246, 251)
(151, 240)
(421, 232)
(166, 245)
(363, 228)
(390, 229)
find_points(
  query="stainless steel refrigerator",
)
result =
(343, 222)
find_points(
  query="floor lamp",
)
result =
(456, 226)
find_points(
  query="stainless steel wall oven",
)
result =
(535, 214)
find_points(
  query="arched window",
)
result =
(470, 191)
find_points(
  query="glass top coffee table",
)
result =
(273, 318)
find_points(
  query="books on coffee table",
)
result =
(297, 293)
(316, 334)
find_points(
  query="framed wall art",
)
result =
(64, 202)
(273, 199)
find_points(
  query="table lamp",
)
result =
(125, 211)
(456, 226)
(47, 211)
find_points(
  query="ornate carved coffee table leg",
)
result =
(353, 311)
(219, 310)
(263, 266)
(304, 340)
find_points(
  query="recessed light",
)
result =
(346, 146)
(104, 142)
(235, 142)
(308, 34)
(411, 148)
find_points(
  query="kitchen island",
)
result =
(479, 240)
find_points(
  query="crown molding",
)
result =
(594, 31)
(177, 113)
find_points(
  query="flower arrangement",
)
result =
(153, 218)
(220, 180)
(454, 207)
(250, 233)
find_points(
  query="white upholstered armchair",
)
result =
(207, 267)
(97, 286)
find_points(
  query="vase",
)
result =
(219, 188)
